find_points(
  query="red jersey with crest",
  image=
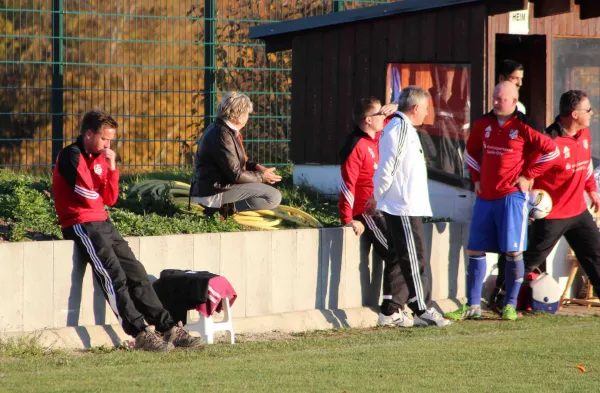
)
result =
(82, 184)
(497, 155)
(567, 183)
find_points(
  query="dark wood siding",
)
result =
(314, 97)
(332, 67)
(299, 61)
(381, 32)
(565, 25)
(330, 102)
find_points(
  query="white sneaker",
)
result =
(408, 313)
(397, 319)
(431, 318)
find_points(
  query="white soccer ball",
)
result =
(539, 204)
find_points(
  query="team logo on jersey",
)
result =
(567, 152)
(585, 144)
(487, 131)
(98, 169)
(513, 134)
(371, 152)
(568, 166)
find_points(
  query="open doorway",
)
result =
(529, 50)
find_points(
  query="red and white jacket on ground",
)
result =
(497, 155)
(360, 157)
(82, 184)
(567, 183)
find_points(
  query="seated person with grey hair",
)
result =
(224, 180)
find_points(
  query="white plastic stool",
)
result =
(206, 327)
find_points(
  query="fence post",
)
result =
(210, 85)
(57, 77)
(338, 6)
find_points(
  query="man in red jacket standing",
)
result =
(498, 154)
(360, 158)
(566, 186)
(85, 178)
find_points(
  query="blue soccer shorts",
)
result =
(500, 225)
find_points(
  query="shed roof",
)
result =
(273, 30)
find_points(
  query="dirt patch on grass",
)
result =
(254, 337)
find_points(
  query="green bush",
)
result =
(27, 208)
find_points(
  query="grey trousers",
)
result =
(252, 196)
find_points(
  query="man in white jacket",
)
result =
(402, 194)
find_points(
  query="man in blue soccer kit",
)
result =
(497, 154)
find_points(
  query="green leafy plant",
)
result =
(27, 208)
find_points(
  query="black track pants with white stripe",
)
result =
(409, 241)
(121, 276)
(395, 291)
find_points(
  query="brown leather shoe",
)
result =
(227, 210)
(179, 337)
(150, 340)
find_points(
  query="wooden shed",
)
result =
(450, 47)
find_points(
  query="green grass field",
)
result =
(534, 354)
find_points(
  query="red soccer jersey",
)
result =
(566, 183)
(82, 184)
(497, 155)
(358, 169)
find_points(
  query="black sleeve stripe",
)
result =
(402, 134)
(68, 161)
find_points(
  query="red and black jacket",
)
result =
(360, 156)
(82, 184)
(567, 183)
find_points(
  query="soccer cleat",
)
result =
(496, 300)
(510, 313)
(179, 337)
(431, 318)
(397, 319)
(464, 312)
(150, 340)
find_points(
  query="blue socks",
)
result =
(475, 275)
(515, 269)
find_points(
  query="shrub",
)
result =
(27, 208)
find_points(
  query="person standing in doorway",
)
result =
(513, 72)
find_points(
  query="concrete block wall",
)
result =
(46, 285)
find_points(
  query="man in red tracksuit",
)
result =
(85, 178)
(566, 186)
(360, 157)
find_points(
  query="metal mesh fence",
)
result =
(159, 66)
